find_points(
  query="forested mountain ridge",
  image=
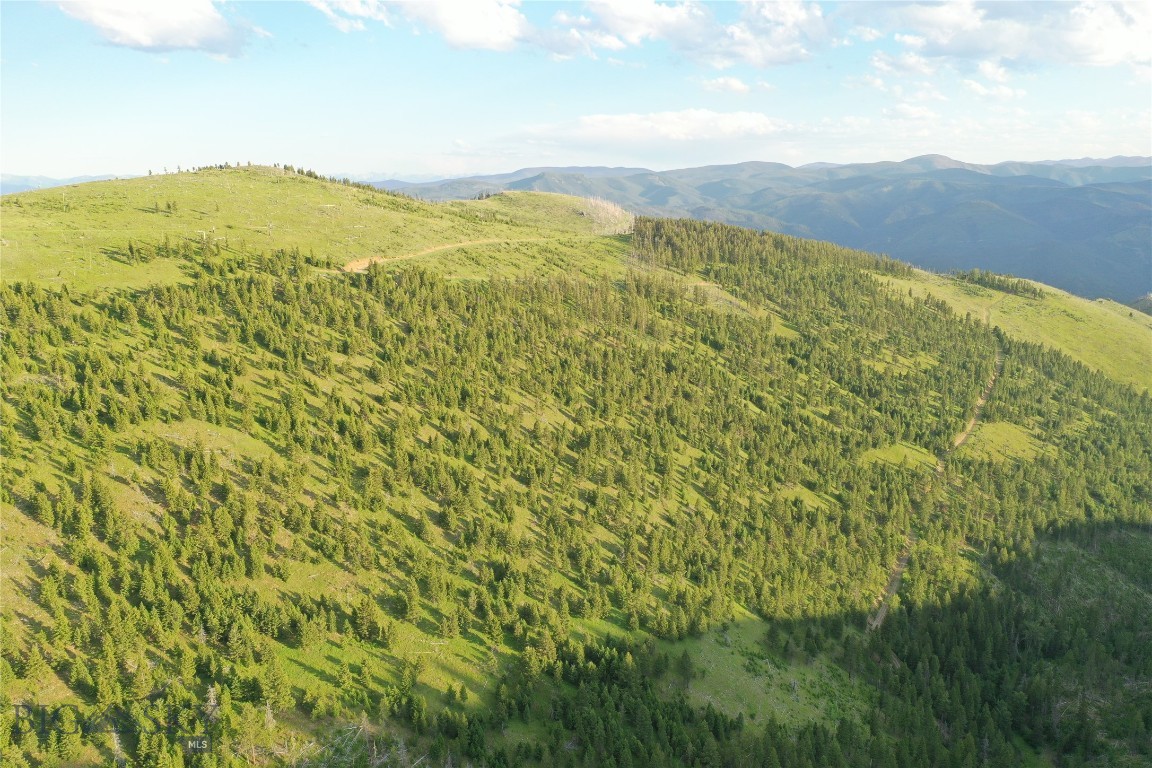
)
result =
(547, 519)
(84, 235)
(1083, 228)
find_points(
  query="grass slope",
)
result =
(79, 234)
(1114, 339)
(738, 670)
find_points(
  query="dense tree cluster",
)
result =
(1004, 283)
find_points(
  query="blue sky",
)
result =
(414, 90)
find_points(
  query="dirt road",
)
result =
(360, 265)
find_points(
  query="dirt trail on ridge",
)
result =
(360, 265)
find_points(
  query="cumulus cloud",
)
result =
(773, 33)
(680, 126)
(1105, 34)
(1088, 33)
(634, 22)
(496, 25)
(147, 25)
(730, 84)
(970, 34)
(765, 34)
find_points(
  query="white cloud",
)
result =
(993, 71)
(993, 91)
(574, 34)
(905, 63)
(682, 126)
(345, 15)
(151, 26)
(574, 40)
(872, 81)
(940, 22)
(771, 33)
(927, 91)
(686, 27)
(1086, 33)
(911, 112)
(638, 20)
(765, 34)
(730, 84)
(867, 34)
(1105, 34)
(915, 92)
(774, 32)
(495, 25)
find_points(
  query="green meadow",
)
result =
(1102, 334)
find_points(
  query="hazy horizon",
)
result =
(77, 178)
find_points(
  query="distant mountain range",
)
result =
(1082, 225)
(473, 185)
(10, 183)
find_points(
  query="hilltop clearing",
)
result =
(86, 235)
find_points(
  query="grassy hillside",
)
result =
(79, 234)
(1110, 337)
(635, 506)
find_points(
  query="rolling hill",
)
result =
(313, 474)
(1083, 228)
(79, 234)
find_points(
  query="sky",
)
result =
(440, 88)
